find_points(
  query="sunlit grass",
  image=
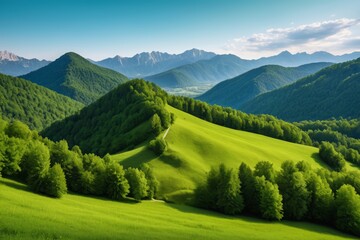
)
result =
(26, 215)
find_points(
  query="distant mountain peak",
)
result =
(5, 55)
(285, 53)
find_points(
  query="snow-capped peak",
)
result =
(5, 55)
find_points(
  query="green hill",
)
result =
(216, 69)
(121, 119)
(194, 145)
(331, 92)
(74, 76)
(25, 215)
(35, 105)
(236, 91)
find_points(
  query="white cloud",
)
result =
(336, 36)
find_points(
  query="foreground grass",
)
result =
(25, 215)
(194, 146)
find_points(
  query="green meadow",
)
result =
(195, 145)
(27, 215)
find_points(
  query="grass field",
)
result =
(26, 215)
(195, 145)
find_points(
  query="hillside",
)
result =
(32, 104)
(77, 78)
(11, 64)
(125, 117)
(26, 215)
(149, 63)
(217, 69)
(236, 91)
(329, 93)
(194, 145)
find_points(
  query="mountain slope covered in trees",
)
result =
(331, 92)
(236, 91)
(216, 69)
(32, 104)
(74, 76)
(126, 116)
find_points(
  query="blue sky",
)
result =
(249, 29)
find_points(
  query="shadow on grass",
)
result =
(308, 226)
(23, 187)
(14, 184)
(144, 156)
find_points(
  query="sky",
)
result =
(98, 29)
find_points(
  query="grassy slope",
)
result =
(195, 145)
(25, 215)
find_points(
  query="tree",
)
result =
(321, 199)
(55, 182)
(221, 191)
(19, 130)
(347, 204)
(137, 182)
(229, 199)
(270, 204)
(329, 155)
(117, 186)
(12, 151)
(155, 122)
(247, 188)
(153, 183)
(292, 187)
(265, 168)
(36, 164)
(158, 146)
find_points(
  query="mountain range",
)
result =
(222, 67)
(11, 64)
(149, 63)
(331, 92)
(236, 91)
(77, 78)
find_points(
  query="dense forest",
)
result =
(236, 91)
(343, 134)
(127, 116)
(331, 92)
(77, 78)
(296, 192)
(34, 105)
(52, 168)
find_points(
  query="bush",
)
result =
(348, 209)
(137, 182)
(55, 182)
(329, 155)
(158, 146)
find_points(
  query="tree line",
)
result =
(262, 124)
(52, 168)
(296, 192)
(342, 134)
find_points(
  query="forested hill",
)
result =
(331, 92)
(135, 111)
(74, 76)
(236, 91)
(35, 105)
(128, 115)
